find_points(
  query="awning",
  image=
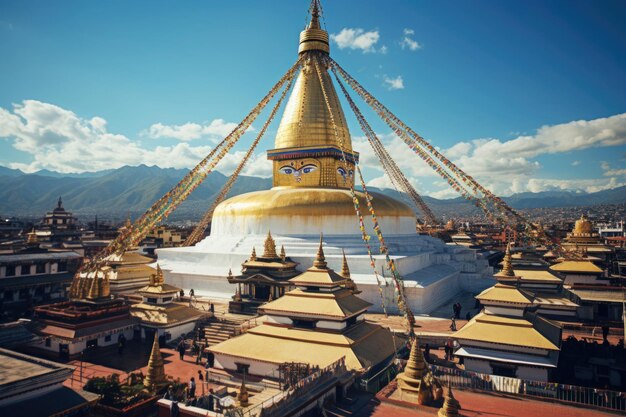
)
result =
(508, 357)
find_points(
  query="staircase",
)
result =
(215, 331)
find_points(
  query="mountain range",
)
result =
(130, 190)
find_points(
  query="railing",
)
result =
(613, 400)
(275, 405)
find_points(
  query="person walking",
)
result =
(453, 325)
(458, 309)
(181, 350)
(192, 387)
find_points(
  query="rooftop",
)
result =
(577, 266)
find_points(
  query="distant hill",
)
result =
(131, 190)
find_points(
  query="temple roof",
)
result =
(505, 293)
(365, 345)
(537, 275)
(576, 266)
(129, 258)
(164, 314)
(505, 330)
(340, 304)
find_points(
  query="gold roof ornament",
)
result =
(582, 226)
(345, 270)
(507, 266)
(32, 238)
(269, 248)
(416, 367)
(320, 260)
(159, 279)
(94, 289)
(451, 405)
(155, 375)
(243, 396)
(253, 254)
(283, 255)
(230, 273)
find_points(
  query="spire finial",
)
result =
(283, 255)
(155, 375)
(269, 249)
(507, 266)
(159, 276)
(314, 9)
(320, 260)
(60, 202)
(253, 254)
(345, 270)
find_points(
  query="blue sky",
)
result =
(526, 96)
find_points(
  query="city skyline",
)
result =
(539, 105)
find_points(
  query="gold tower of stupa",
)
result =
(311, 180)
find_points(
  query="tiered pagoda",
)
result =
(508, 337)
(59, 226)
(317, 323)
(264, 278)
(91, 318)
(158, 312)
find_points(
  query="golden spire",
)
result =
(242, 397)
(507, 266)
(155, 375)
(314, 38)
(106, 286)
(320, 260)
(269, 249)
(451, 405)
(283, 255)
(159, 280)
(253, 255)
(416, 365)
(32, 237)
(345, 270)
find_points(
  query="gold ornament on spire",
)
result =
(269, 248)
(155, 375)
(283, 255)
(242, 396)
(345, 270)
(253, 254)
(451, 405)
(159, 279)
(320, 260)
(507, 266)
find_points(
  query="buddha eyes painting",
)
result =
(297, 172)
(346, 175)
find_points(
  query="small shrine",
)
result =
(416, 383)
(263, 278)
(160, 314)
(155, 374)
(451, 405)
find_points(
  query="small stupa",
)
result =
(155, 375)
(242, 397)
(451, 405)
(416, 383)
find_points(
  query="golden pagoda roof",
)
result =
(363, 346)
(537, 275)
(576, 266)
(506, 331)
(506, 294)
(340, 304)
(164, 314)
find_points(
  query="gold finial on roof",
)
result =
(345, 270)
(253, 255)
(320, 260)
(283, 255)
(94, 289)
(230, 273)
(507, 266)
(32, 238)
(242, 397)
(155, 375)
(269, 248)
(416, 365)
(315, 15)
(451, 405)
(159, 279)
(105, 292)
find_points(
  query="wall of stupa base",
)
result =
(530, 373)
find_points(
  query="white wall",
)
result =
(256, 367)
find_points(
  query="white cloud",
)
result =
(217, 128)
(396, 83)
(408, 42)
(358, 39)
(575, 163)
(59, 140)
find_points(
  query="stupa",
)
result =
(311, 194)
(416, 383)
(155, 375)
